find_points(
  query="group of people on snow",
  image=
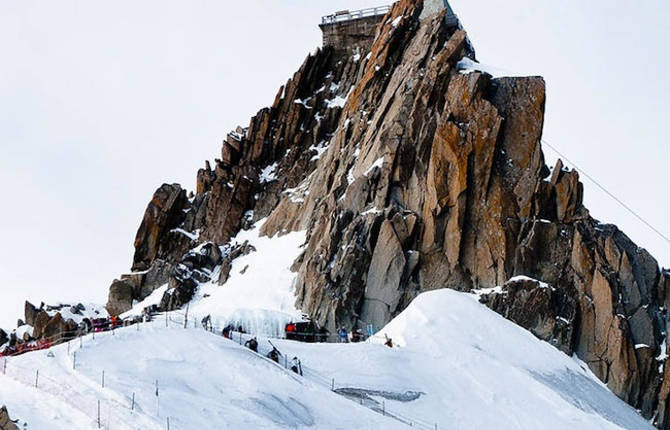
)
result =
(274, 354)
(356, 335)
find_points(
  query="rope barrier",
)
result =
(606, 191)
(131, 404)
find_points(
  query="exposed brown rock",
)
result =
(164, 212)
(547, 312)
(426, 178)
(30, 313)
(120, 297)
(41, 320)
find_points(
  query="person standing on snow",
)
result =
(226, 331)
(207, 322)
(296, 366)
(343, 335)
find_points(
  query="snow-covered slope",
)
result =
(476, 370)
(455, 364)
(204, 382)
(259, 294)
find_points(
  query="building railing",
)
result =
(345, 15)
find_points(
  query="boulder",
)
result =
(120, 297)
(30, 313)
(164, 212)
(41, 320)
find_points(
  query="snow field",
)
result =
(204, 382)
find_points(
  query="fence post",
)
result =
(103, 379)
(157, 400)
(37, 376)
(168, 423)
(166, 318)
(4, 367)
(383, 408)
(74, 360)
(332, 385)
(80, 342)
(186, 316)
(68, 347)
(98, 413)
(132, 406)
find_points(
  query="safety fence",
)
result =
(22, 347)
(104, 408)
(108, 409)
(184, 319)
(345, 15)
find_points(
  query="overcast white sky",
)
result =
(101, 102)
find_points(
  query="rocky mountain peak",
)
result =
(410, 172)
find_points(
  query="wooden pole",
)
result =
(37, 376)
(132, 406)
(98, 413)
(103, 379)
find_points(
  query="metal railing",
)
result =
(346, 15)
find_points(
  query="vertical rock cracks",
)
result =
(411, 174)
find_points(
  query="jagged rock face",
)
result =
(164, 213)
(425, 178)
(281, 147)
(549, 313)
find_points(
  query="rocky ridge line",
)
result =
(411, 174)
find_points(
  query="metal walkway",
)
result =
(345, 15)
